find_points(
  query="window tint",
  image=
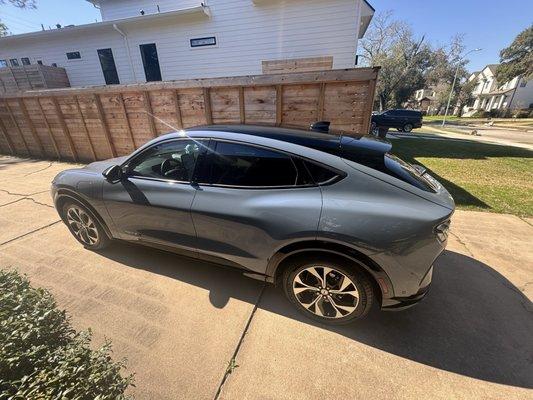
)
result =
(242, 165)
(320, 173)
(14, 62)
(170, 160)
(25, 61)
(406, 172)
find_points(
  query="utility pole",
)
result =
(453, 85)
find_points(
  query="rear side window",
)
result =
(320, 174)
(406, 172)
(235, 164)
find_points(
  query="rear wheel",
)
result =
(407, 128)
(328, 291)
(84, 226)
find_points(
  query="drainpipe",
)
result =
(127, 44)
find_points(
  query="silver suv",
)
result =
(337, 220)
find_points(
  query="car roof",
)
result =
(307, 138)
(331, 142)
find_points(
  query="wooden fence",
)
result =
(30, 77)
(83, 124)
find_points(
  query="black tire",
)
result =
(407, 128)
(92, 236)
(298, 269)
(374, 129)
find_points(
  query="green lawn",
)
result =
(480, 176)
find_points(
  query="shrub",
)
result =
(522, 113)
(42, 357)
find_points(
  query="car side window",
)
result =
(170, 160)
(235, 164)
(321, 175)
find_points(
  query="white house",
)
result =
(490, 95)
(150, 40)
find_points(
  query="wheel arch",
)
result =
(379, 278)
(64, 195)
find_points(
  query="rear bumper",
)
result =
(402, 303)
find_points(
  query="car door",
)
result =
(389, 119)
(153, 201)
(252, 201)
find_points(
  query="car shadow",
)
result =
(474, 322)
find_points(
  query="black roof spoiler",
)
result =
(320, 126)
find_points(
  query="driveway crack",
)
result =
(29, 233)
(244, 332)
(39, 170)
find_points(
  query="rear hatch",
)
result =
(374, 154)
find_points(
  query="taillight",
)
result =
(441, 231)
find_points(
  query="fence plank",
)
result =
(6, 137)
(24, 109)
(84, 124)
(242, 109)
(149, 113)
(176, 98)
(101, 117)
(16, 125)
(125, 115)
(49, 129)
(279, 104)
(207, 107)
(322, 94)
(64, 128)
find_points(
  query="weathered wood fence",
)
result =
(83, 124)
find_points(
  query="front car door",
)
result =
(252, 201)
(153, 202)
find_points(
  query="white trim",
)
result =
(96, 25)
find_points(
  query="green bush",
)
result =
(42, 357)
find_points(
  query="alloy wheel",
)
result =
(325, 292)
(82, 225)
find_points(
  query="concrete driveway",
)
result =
(179, 322)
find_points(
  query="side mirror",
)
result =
(113, 174)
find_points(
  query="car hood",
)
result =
(101, 166)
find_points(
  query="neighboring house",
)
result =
(490, 95)
(424, 99)
(142, 40)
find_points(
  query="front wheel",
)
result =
(84, 226)
(328, 291)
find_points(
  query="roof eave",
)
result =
(108, 23)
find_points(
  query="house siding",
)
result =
(247, 33)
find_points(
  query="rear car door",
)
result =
(251, 201)
(152, 203)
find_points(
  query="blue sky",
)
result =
(490, 24)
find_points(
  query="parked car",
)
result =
(337, 220)
(402, 120)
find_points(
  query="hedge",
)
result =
(43, 357)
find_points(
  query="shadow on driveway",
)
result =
(473, 322)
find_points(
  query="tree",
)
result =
(446, 62)
(403, 59)
(517, 59)
(17, 3)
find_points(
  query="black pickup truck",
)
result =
(403, 120)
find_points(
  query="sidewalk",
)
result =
(179, 322)
(507, 138)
